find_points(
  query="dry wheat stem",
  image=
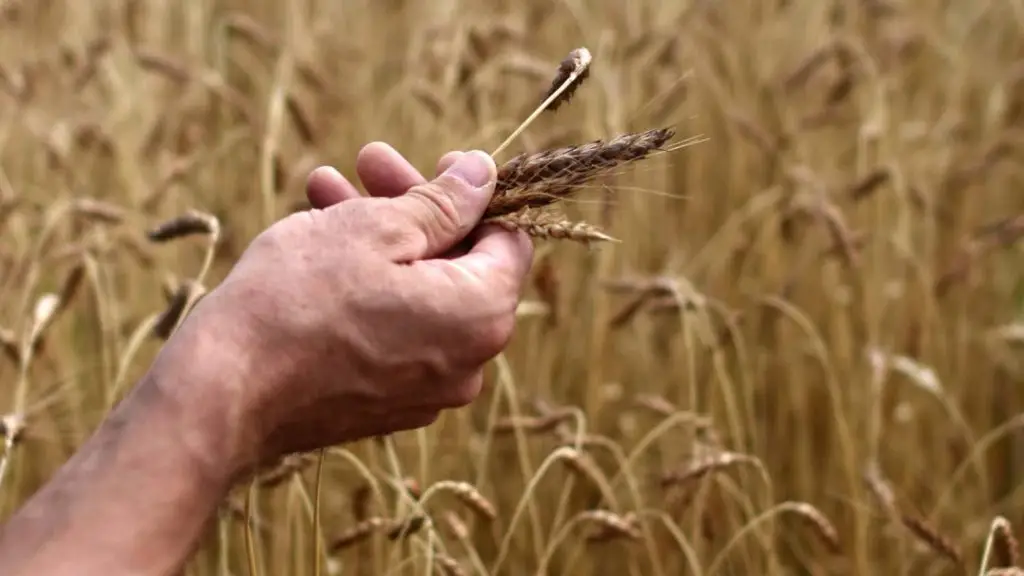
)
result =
(580, 61)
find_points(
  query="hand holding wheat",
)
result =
(362, 317)
(392, 303)
(365, 317)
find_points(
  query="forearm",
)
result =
(136, 498)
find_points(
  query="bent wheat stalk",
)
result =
(570, 75)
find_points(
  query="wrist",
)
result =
(200, 376)
(167, 449)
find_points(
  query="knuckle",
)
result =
(378, 223)
(423, 420)
(392, 232)
(409, 421)
(466, 392)
(495, 335)
(438, 207)
(358, 215)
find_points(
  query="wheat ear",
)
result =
(542, 178)
(551, 225)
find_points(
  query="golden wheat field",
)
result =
(803, 355)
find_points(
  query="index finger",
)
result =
(386, 173)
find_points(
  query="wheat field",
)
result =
(803, 355)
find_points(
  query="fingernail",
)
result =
(475, 168)
(329, 172)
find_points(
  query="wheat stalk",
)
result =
(579, 61)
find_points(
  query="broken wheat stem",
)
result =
(582, 65)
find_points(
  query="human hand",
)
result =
(365, 315)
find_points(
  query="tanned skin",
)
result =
(363, 316)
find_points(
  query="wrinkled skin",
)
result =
(399, 306)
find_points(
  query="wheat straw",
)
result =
(580, 60)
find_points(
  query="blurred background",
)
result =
(804, 357)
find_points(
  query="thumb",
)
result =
(445, 210)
